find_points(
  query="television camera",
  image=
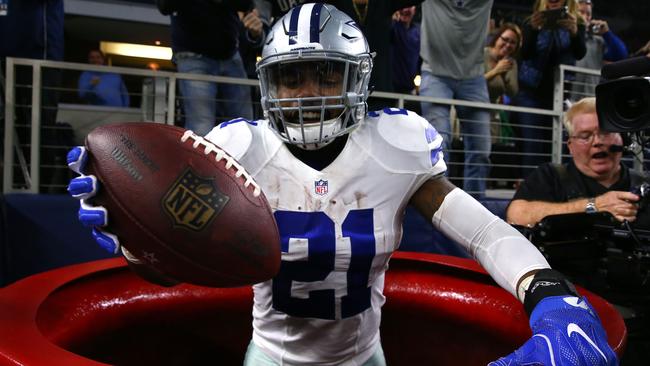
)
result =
(623, 101)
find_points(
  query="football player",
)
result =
(338, 179)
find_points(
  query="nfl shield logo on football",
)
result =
(320, 187)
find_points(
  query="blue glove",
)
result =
(566, 331)
(83, 188)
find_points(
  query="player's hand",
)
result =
(83, 188)
(622, 205)
(566, 331)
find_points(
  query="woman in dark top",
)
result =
(553, 35)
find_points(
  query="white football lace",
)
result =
(230, 162)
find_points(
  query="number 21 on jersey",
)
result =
(319, 232)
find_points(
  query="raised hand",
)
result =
(253, 24)
(537, 20)
(601, 26)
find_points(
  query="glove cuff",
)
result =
(547, 282)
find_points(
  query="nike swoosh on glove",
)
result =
(566, 331)
(83, 188)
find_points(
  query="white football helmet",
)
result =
(314, 75)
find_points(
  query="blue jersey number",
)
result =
(319, 232)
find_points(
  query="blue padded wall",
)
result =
(41, 232)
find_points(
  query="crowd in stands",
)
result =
(449, 43)
(510, 64)
(459, 52)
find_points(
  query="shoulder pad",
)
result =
(234, 136)
(407, 141)
(252, 143)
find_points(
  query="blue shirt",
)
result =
(110, 90)
(405, 55)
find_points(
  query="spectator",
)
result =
(375, 19)
(102, 88)
(40, 26)
(405, 52)
(602, 46)
(594, 179)
(501, 68)
(546, 45)
(453, 35)
(500, 63)
(34, 29)
(249, 51)
(205, 38)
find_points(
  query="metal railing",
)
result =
(158, 102)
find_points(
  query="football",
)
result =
(182, 205)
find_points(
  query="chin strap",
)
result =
(545, 283)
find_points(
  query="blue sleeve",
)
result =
(616, 49)
(85, 88)
(394, 32)
(125, 94)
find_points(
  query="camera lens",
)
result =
(623, 105)
(629, 103)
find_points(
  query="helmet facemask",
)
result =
(310, 101)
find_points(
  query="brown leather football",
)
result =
(182, 205)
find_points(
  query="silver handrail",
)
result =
(171, 96)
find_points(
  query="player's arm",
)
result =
(565, 327)
(502, 251)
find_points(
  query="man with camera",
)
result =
(594, 180)
(603, 46)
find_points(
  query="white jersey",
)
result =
(338, 227)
